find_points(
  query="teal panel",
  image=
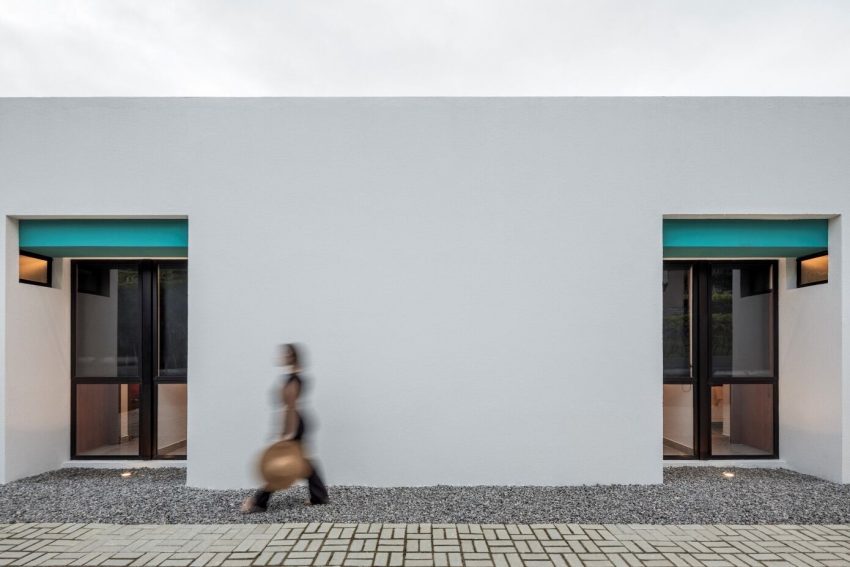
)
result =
(105, 237)
(736, 238)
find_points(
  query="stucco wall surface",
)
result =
(37, 393)
(477, 280)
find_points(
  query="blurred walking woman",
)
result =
(290, 448)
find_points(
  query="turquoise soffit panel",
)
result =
(739, 238)
(134, 238)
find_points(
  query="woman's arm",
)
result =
(290, 397)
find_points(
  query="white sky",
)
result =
(433, 47)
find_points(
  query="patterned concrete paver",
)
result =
(409, 545)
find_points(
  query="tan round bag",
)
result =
(282, 464)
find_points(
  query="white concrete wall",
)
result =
(839, 256)
(810, 409)
(37, 391)
(478, 280)
(8, 241)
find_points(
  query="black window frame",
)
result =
(157, 379)
(37, 257)
(692, 379)
(148, 377)
(702, 378)
(800, 261)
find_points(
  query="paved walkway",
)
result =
(403, 545)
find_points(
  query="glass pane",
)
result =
(173, 322)
(108, 419)
(33, 269)
(677, 321)
(108, 325)
(678, 420)
(171, 420)
(742, 419)
(742, 321)
(814, 270)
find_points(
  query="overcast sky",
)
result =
(433, 47)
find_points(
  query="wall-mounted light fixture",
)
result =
(813, 269)
(35, 269)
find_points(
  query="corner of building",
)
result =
(9, 228)
(839, 256)
(813, 417)
(36, 353)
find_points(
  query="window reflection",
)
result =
(742, 419)
(171, 420)
(108, 324)
(173, 321)
(678, 420)
(742, 321)
(107, 419)
(677, 321)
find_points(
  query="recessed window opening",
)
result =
(35, 269)
(720, 359)
(128, 359)
(813, 269)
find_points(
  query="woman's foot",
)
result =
(249, 506)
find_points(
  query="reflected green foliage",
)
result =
(721, 323)
(173, 319)
(676, 335)
(676, 322)
(128, 278)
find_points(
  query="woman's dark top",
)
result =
(299, 429)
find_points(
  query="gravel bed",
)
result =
(689, 495)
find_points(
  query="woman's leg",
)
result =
(318, 490)
(261, 498)
(258, 502)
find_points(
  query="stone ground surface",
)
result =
(688, 496)
(696, 518)
(402, 545)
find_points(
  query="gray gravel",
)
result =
(689, 495)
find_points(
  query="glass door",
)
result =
(720, 359)
(128, 359)
(740, 382)
(680, 396)
(171, 328)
